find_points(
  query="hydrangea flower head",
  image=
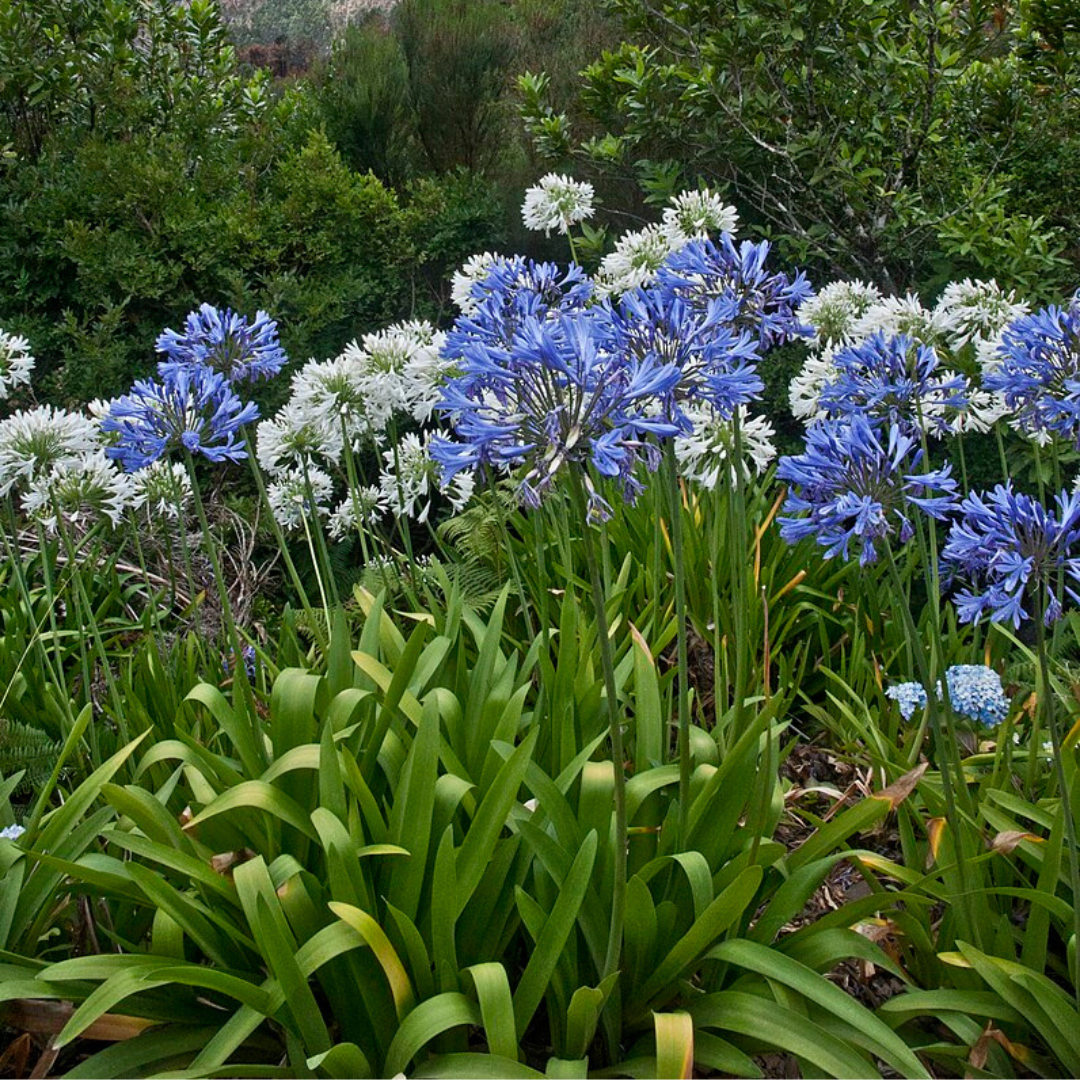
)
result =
(752, 297)
(33, 441)
(895, 379)
(1009, 549)
(225, 343)
(695, 215)
(975, 692)
(190, 409)
(16, 363)
(557, 202)
(855, 485)
(1039, 371)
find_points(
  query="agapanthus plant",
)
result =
(1010, 551)
(752, 297)
(895, 380)
(855, 486)
(556, 397)
(190, 409)
(1039, 371)
(695, 215)
(557, 202)
(226, 343)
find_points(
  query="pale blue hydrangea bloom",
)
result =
(975, 692)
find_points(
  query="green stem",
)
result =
(618, 898)
(1046, 699)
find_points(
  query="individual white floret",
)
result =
(81, 490)
(707, 452)
(16, 363)
(32, 441)
(557, 202)
(634, 262)
(834, 311)
(696, 215)
(297, 495)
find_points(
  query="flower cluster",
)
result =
(16, 363)
(975, 692)
(34, 441)
(81, 490)
(557, 202)
(1009, 549)
(225, 343)
(855, 484)
(190, 409)
(708, 449)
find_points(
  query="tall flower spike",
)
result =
(1009, 550)
(895, 380)
(754, 299)
(855, 485)
(1039, 371)
(191, 408)
(225, 343)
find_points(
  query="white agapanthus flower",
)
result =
(295, 435)
(362, 507)
(985, 408)
(988, 353)
(695, 215)
(557, 202)
(707, 452)
(412, 476)
(16, 363)
(163, 489)
(473, 272)
(634, 262)
(32, 441)
(902, 315)
(336, 392)
(835, 310)
(977, 310)
(805, 390)
(81, 490)
(291, 500)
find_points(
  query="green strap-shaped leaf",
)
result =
(475, 1067)
(384, 952)
(238, 730)
(345, 1061)
(766, 1021)
(816, 988)
(549, 946)
(257, 795)
(674, 1045)
(496, 1008)
(428, 1019)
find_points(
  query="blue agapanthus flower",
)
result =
(515, 289)
(189, 408)
(1039, 373)
(896, 380)
(751, 297)
(1010, 550)
(555, 396)
(975, 692)
(855, 484)
(716, 363)
(224, 342)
